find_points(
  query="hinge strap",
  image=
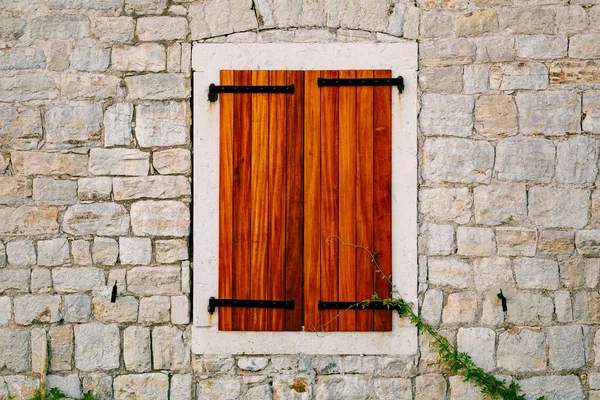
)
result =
(398, 82)
(214, 90)
(213, 303)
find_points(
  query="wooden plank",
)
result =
(294, 273)
(242, 159)
(329, 200)
(382, 193)
(226, 201)
(277, 197)
(312, 199)
(365, 269)
(347, 199)
(259, 199)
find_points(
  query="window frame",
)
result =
(207, 60)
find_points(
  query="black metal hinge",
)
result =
(398, 82)
(214, 303)
(214, 90)
(354, 305)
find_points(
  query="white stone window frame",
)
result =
(207, 61)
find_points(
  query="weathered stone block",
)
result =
(498, 204)
(518, 76)
(181, 387)
(477, 24)
(114, 29)
(516, 241)
(78, 308)
(136, 349)
(21, 253)
(577, 160)
(457, 161)
(591, 112)
(41, 281)
(570, 212)
(157, 87)
(50, 191)
(12, 29)
(437, 240)
(90, 86)
(14, 279)
(553, 386)
(285, 387)
(449, 271)
(40, 221)
(145, 6)
(5, 310)
(563, 307)
(162, 28)
(84, 5)
(28, 87)
(212, 19)
(342, 386)
(496, 116)
(219, 389)
(522, 350)
(60, 27)
(43, 308)
(441, 80)
(556, 243)
(535, 273)
(480, 344)
(145, 57)
(460, 308)
(169, 350)
(59, 56)
(549, 113)
(588, 243)
(117, 124)
(584, 46)
(542, 47)
(123, 310)
(137, 251)
(171, 251)
(14, 189)
(53, 252)
(99, 384)
(163, 280)
(441, 53)
(571, 19)
(161, 187)
(530, 21)
(180, 310)
(142, 386)
(436, 24)
(586, 307)
(108, 219)
(97, 347)
(522, 159)
(94, 189)
(22, 58)
(20, 129)
(160, 218)
(495, 49)
(14, 350)
(162, 124)
(3, 255)
(73, 280)
(430, 386)
(475, 241)
(127, 162)
(492, 273)
(80, 250)
(431, 310)
(566, 347)
(155, 310)
(60, 348)
(446, 204)
(90, 58)
(172, 161)
(526, 308)
(40, 163)
(105, 251)
(447, 115)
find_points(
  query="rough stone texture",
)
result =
(48, 191)
(430, 387)
(172, 161)
(457, 161)
(492, 273)
(123, 310)
(41, 281)
(15, 280)
(496, 116)
(516, 241)
(136, 349)
(105, 251)
(513, 76)
(446, 204)
(480, 344)
(97, 347)
(219, 389)
(29, 309)
(13, 345)
(532, 273)
(20, 129)
(553, 387)
(160, 218)
(90, 58)
(108, 219)
(577, 160)
(542, 46)
(53, 252)
(141, 387)
(162, 124)
(163, 280)
(114, 29)
(60, 27)
(441, 80)
(128, 162)
(521, 350)
(117, 124)
(21, 253)
(170, 251)
(60, 347)
(157, 87)
(566, 347)
(160, 187)
(591, 111)
(41, 163)
(73, 280)
(94, 189)
(161, 28)
(498, 204)
(181, 387)
(549, 113)
(340, 386)
(145, 57)
(437, 240)
(528, 308)
(449, 271)
(28, 88)
(522, 159)
(440, 53)
(571, 212)
(168, 349)
(450, 115)
(460, 308)
(475, 241)
(556, 243)
(78, 308)
(155, 309)
(135, 251)
(14, 189)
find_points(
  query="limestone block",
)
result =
(40, 163)
(60, 348)
(442, 4)
(535, 273)
(522, 159)
(460, 308)
(577, 160)
(155, 310)
(327, 365)
(145, 6)
(94, 189)
(2, 255)
(542, 47)
(117, 123)
(457, 161)
(491, 313)
(163, 280)
(127, 162)
(437, 240)
(162, 28)
(530, 21)
(393, 388)
(495, 49)
(342, 386)
(447, 115)
(449, 271)
(28, 87)
(570, 212)
(549, 113)
(586, 307)
(90, 86)
(498, 204)
(430, 387)
(477, 24)
(41, 281)
(445, 52)
(43, 308)
(553, 387)
(566, 347)
(60, 27)
(180, 310)
(476, 78)
(114, 29)
(14, 350)
(591, 112)
(48, 191)
(20, 129)
(169, 350)
(40, 220)
(584, 46)
(156, 87)
(97, 347)
(160, 187)
(73, 280)
(14, 279)
(461, 390)
(135, 250)
(592, 272)
(563, 306)
(136, 349)
(522, 350)
(108, 219)
(160, 218)
(297, 388)
(80, 251)
(22, 58)
(105, 251)
(572, 273)
(588, 243)
(84, 4)
(172, 161)
(475, 241)
(431, 310)
(212, 19)
(526, 308)
(90, 58)
(219, 389)
(5, 310)
(516, 76)
(441, 80)
(14, 189)
(494, 273)
(213, 364)
(162, 124)
(99, 384)
(496, 116)
(145, 57)
(123, 310)
(181, 387)
(171, 251)
(12, 29)
(571, 19)
(78, 308)
(480, 344)
(446, 204)
(252, 364)
(436, 24)
(259, 392)
(53, 252)
(516, 241)
(59, 56)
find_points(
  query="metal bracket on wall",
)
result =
(214, 90)
(398, 82)
(213, 303)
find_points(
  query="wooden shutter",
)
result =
(295, 169)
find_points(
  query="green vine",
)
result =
(459, 362)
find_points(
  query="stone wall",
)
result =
(95, 175)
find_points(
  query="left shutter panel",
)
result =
(257, 205)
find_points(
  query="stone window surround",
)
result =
(207, 61)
